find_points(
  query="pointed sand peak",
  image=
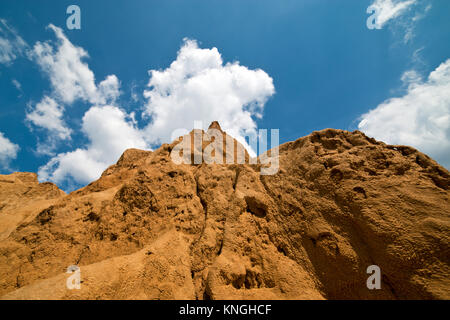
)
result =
(215, 125)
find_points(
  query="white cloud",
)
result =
(16, 84)
(198, 86)
(48, 114)
(8, 151)
(411, 77)
(401, 14)
(110, 132)
(109, 129)
(70, 77)
(391, 9)
(420, 118)
(71, 80)
(11, 44)
(108, 90)
(135, 96)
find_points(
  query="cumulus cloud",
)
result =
(48, 114)
(71, 79)
(108, 90)
(110, 132)
(11, 44)
(8, 151)
(420, 118)
(198, 86)
(109, 129)
(69, 75)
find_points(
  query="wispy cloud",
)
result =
(403, 14)
(17, 84)
(390, 9)
(11, 44)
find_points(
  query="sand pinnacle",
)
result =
(215, 125)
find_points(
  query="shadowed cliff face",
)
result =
(21, 195)
(151, 229)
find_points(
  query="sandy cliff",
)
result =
(151, 229)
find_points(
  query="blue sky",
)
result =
(322, 67)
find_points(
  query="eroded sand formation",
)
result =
(151, 229)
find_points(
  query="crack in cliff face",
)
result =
(78, 260)
(196, 265)
(209, 244)
(19, 278)
(237, 172)
(205, 213)
(388, 283)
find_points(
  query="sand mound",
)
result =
(152, 229)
